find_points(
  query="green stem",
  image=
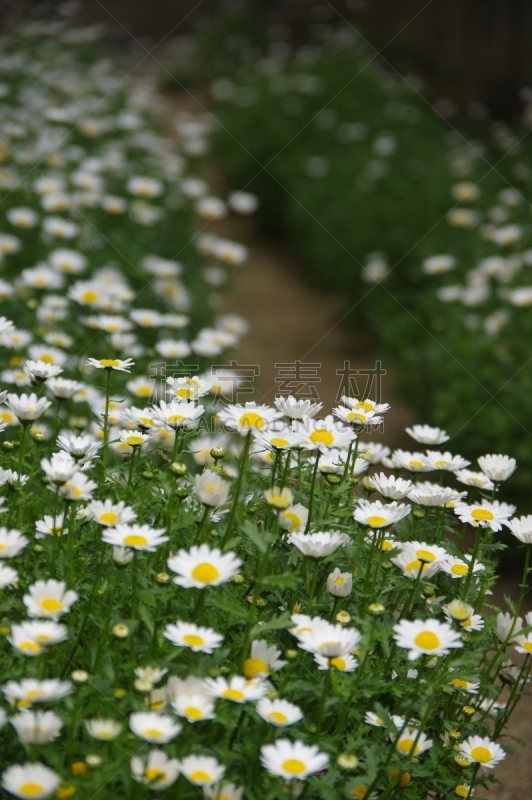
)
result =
(236, 498)
(25, 426)
(202, 525)
(311, 496)
(472, 563)
(105, 428)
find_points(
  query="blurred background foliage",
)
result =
(332, 112)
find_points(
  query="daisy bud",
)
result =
(238, 579)
(469, 710)
(366, 483)
(347, 761)
(79, 768)
(93, 760)
(39, 438)
(183, 491)
(343, 618)
(119, 693)
(8, 445)
(122, 555)
(217, 453)
(376, 609)
(79, 676)
(419, 513)
(463, 790)
(339, 584)
(162, 577)
(462, 761)
(142, 685)
(178, 468)
(291, 654)
(332, 479)
(148, 474)
(429, 590)
(120, 630)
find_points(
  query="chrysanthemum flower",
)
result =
(521, 527)
(27, 407)
(292, 760)
(31, 690)
(49, 599)
(424, 434)
(379, 515)
(12, 542)
(485, 514)
(111, 514)
(103, 729)
(8, 576)
(156, 770)
(320, 544)
(249, 417)
(263, 660)
(343, 663)
(35, 781)
(194, 707)
(497, 467)
(201, 770)
(460, 567)
(201, 567)
(324, 434)
(339, 584)
(278, 712)
(426, 637)
(446, 461)
(294, 518)
(78, 487)
(477, 479)
(297, 409)
(237, 689)
(481, 750)
(187, 634)
(389, 486)
(225, 791)
(413, 462)
(153, 727)
(177, 414)
(211, 489)
(412, 743)
(111, 364)
(325, 639)
(36, 727)
(138, 537)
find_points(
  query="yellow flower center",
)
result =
(481, 754)
(182, 392)
(278, 442)
(293, 519)
(234, 694)
(339, 581)
(251, 420)
(425, 555)
(440, 463)
(193, 713)
(461, 790)
(200, 777)
(359, 791)
(193, 640)
(387, 545)
(109, 517)
(280, 718)
(322, 436)
(415, 564)
(143, 391)
(406, 745)
(483, 514)
(294, 766)
(152, 773)
(459, 569)
(427, 640)
(109, 362)
(255, 666)
(29, 645)
(89, 297)
(375, 521)
(365, 404)
(47, 358)
(30, 789)
(459, 682)
(135, 540)
(173, 418)
(338, 663)
(358, 417)
(135, 439)
(205, 573)
(155, 733)
(51, 604)
(415, 463)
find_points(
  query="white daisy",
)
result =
(201, 567)
(426, 637)
(187, 634)
(153, 727)
(292, 760)
(278, 712)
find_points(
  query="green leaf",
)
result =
(146, 617)
(288, 580)
(228, 606)
(261, 540)
(274, 624)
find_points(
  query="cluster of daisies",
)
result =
(219, 599)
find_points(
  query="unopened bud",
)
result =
(217, 453)
(178, 468)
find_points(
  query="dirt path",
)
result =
(291, 321)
